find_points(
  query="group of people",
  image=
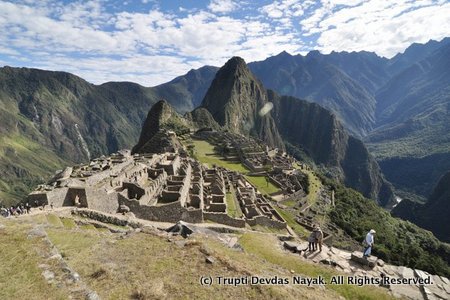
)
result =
(19, 209)
(315, 239)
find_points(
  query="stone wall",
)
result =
(223, 218)
(171, 212)
(265, 221)
(91, 180)
(75, 196)
(38, 198)
(102, 201)
(134, 191)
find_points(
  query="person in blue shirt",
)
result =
(368, 243)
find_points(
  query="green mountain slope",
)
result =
(433, 215)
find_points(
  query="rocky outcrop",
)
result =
(159, 129)
(202, 118)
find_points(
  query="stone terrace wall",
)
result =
(171, 212)
(102, 201)
(265, 221)
(223, 218)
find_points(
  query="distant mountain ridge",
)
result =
(52, 119)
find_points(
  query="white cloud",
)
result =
(102, 41)
(284, 11)
(384, 27)
(222, 6)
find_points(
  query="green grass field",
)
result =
(204, 152)
(233, 208)
(264, 186)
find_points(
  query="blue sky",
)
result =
(153, 41)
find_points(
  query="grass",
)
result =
(54, 220)
(149, 267)
(290, 220)
(233, 209)
(289, 203)
(204, 152)
(265, 247)
(87, 227)
(264, 186)
(68, 223)
(20, 276)
(314, 185)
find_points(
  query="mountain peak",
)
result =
(235, 65)
(283, 54)
(234, 100)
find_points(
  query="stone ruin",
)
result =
(163, 187)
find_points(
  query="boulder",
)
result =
(292, 246)
(180, 228)
(124, 209)
(210, 260)
(405, 272)
(357, 257)
(406, 291)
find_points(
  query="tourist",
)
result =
(28, 207)
(368, 243)
(312, 242)
(319, 237)
(4, 212)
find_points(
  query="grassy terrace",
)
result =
(204, 152)
(262, 184)
(233, 209)
(314, 185)
(132, 267)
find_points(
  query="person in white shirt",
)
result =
(368, 243)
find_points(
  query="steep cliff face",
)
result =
(318, 133)
(433, 215)
(239, 103)
(235, 100)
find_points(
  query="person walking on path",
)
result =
(319, 237)
(312, 242)
(368, 243)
